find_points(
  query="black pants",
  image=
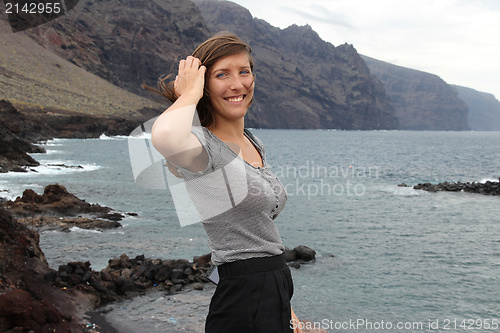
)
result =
(253, 296)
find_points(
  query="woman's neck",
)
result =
(228, 130)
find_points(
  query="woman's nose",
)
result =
(236, 83)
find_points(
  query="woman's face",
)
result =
(231, 85)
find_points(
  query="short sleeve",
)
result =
(211, 146)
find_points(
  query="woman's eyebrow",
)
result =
(227, 69)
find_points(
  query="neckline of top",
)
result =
(250, 137)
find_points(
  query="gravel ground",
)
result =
(155, 312)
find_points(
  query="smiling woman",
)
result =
(230, 184)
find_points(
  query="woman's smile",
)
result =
(235, 99)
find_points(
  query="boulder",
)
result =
(290, 255)
(305, 253)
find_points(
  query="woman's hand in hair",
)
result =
(190, 80)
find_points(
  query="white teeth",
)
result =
(235, 99)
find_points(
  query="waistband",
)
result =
(252, 265)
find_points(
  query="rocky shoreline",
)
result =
(57, 209)
(21, 128)
(35, 297)
(486, 188)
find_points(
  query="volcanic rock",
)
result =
(58, 209)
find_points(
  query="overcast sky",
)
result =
(458, 40)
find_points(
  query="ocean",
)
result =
(389, 258)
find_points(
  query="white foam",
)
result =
(54, 142)
(403, 191)
(49, 144)
(484, 180)
(47, 152)
(85, 231)
(47, 167)
(17, 191)
(143, 135)
(106, 137)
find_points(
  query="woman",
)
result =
(228, 178)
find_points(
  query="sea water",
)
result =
(389, 258)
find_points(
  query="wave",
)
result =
(73, 229)
(52, 168)
(85, 231)
(11, 191)
(47, 152)
(143, 135)
(403, 191)
(484, 180)
(54, 142)
(117, 137)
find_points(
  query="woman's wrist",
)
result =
(189, 98)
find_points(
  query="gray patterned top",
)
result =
(236, 201)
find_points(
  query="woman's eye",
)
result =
(220, 75)
(245, 72)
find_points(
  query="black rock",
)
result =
(163, 274)
(176, 274)
(290, 255)
(305, 253)
(50, 276)
(176, 288)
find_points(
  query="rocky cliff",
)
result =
(15, 144)
(422, 101)
(29, 303)
(43, 95)
(126, 42)
(484, 109)
(33, 77)
(28, 123)
(302, 82)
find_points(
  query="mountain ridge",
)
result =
(128, 43)
(312, 82)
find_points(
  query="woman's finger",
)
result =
(182, 65)
(203, 69)
(189, 61)
(196, 63)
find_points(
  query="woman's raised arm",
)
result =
(171, 133)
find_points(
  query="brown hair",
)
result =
(209, 52)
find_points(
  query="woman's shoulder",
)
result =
(204, 135)
(254, 138)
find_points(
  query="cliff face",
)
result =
(14, 144)
(422, 101)
(484, 109)
(125, 42)
(33, 77)
(302, 81)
